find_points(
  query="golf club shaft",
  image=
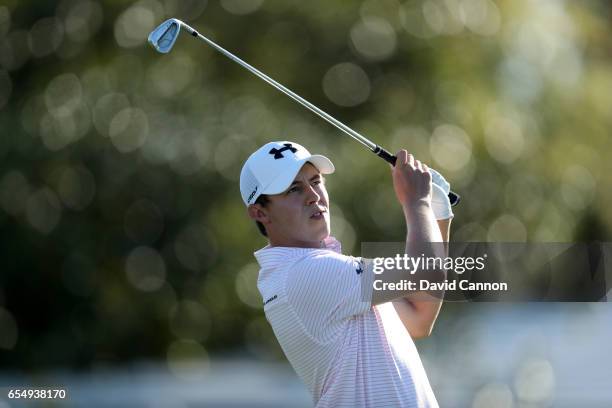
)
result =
(355, 135)
(376, 149)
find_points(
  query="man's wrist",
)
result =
(416, 207)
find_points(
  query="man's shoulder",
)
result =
(324, 268)
(323, 258)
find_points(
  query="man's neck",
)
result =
(297, 244)
(275, 242)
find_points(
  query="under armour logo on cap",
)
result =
(278, 153)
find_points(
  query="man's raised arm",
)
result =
(412, 183)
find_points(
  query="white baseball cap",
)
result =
(273, 167)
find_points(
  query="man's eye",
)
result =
(316, 182)
(292, 189)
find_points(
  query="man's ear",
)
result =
(258, 213)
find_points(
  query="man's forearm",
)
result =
(444, 227)
(419, 316)
(424, 236)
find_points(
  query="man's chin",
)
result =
(322, 232)
(327, 226)
(325, 233)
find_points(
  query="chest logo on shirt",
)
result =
(359, 269)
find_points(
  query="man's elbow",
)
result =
(426, 314)
(418, 317)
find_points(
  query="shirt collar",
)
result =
(269, 257)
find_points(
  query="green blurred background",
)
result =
(123, 235)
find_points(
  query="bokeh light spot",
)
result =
(481, 16)
(504, 140)
(45, 37)
(450, 147)
(246, 286)
(185, 9)
(133, 26)
(82, 19)
(386, 9)
(77, 187)
(443, 17)
(129, 129)
(173, 74)
(14, 50)
(494, 395)
(58, 132)
(63, 95)
(5, 20)
(578, 187)
(535, 382)
(189, 320)
(507, 228)
(187, 360)
(229, 153)
(195, 247)
(346, 84)
(192, 153)
(374, 38)
(413, 21)
(43, 210)
(145, 269)
(105, 110)
(241, 6)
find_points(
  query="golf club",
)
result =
(165, 35)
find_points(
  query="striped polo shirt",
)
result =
(348, 353)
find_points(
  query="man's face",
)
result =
(299, 217)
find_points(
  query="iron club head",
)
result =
(165, 35)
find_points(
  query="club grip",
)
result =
(385, 155)
(453, 197)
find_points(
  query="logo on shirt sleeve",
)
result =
(271, 299)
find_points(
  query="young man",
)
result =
(352, 345)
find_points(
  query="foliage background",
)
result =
(123, 234)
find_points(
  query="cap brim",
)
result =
(283, 181)
(322, 163)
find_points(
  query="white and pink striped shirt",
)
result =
(349, 353)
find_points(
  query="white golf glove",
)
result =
(440, 203)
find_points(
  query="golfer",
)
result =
(351, 345)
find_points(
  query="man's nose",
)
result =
(312, 197)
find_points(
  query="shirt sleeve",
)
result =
(326, 290)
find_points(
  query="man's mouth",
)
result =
(318, 214)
